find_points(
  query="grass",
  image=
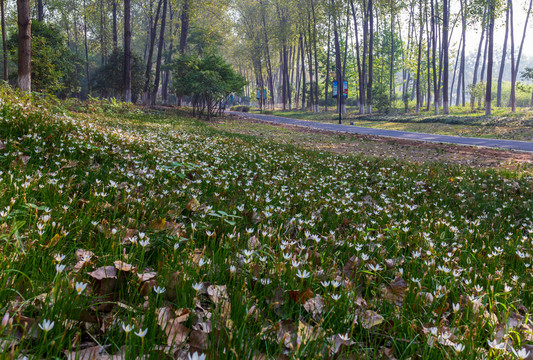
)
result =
(117, 222)
(461, 122)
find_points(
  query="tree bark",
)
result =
(327, 64)
(115, 32)
(504, 55)
(24, 45)
(184, 26)
(476, 67)
(445, 25)
(304, 85)
(338, 65)
(127, 51)
(512, 99)
(488, 92)
(148, 72)
(370, 57)
(4, 42)
(434, 59)
(160, 53)
(87, 74)
(168, 59)
(359, 73)
(418, 63)
(270, 80)
(40, 10)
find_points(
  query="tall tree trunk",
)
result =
(391, 74)
(88, 75)
(418, 63)
(488, 92)
(484, 62)
(460, 82)
(434, 60)
(168, 59)
(504, 56)
(476, 66)
(327, 65)
(304, 85)
(4, 42)
(160, 54)
(148, 72)
(338, 65)
(315, 42)
(359, 73)
(184, 34)
(270, 80)
(115, 32)
(24, 45)
(40, 10)
(310, 59)
(365, 53)
(512, 99)
(127, 51)
(445, 25)
(370, 57)
(428, 41)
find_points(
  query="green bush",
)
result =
(55, 68)
(241, 108)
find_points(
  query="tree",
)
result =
(490, 34)
(127, 51)
(24, 45)
(55, 67)
(206, 80)
(4, 42)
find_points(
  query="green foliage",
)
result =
(241, 108)
(108, 78)
(206, 80)
(55, 68)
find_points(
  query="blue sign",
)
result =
(264, 94)
(231, 98)
(345, 89)
(258, 94)
(335, 89)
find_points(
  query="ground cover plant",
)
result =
(134, 233)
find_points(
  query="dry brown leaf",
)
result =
(53, 241)
(300, 297)
(395, 293)
(147, 276)
(315, 306)
(158, 224)
(171, 325)
(253, 243)
(122, 266)
(199, 341)
(104, 272)
(193, 205)
(350, 267)
(2, 145)
(370, 318)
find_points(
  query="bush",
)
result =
(55, 68)
(241, 108)
(108, 79)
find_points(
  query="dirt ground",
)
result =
(377, 146)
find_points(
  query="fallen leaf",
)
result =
(350, 267)
(395, 292)
(147, 276)
(370, 318)
(300, 297)
(104, 272)
(171, 325)
(122, 266)
(193, 205)
(315, 306)
(158, 224)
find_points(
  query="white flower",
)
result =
(127, 328)
(59, 257)
(496, 345)
(523, 353)
(80, 287)
(344, 337)
(176, 246)
(303, 274)
(144, 243)
(336, 283)
(295, 263)
(196, 356)
(375, 268)
(60, 268)
(141, 333)
(248, 253)
(336, 297)
(456, 307)
(325, 283)
(459, 347)
(159, 289)
(232, 268)
(197, 286)
(46, 325)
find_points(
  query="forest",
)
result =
(394, 56)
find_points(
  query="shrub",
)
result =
(241, 108)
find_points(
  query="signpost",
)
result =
(345, 89)
(335, 89)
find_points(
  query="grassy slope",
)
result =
(441, 235)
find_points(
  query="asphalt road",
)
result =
(491, 143)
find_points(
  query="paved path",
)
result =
(491, 143)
